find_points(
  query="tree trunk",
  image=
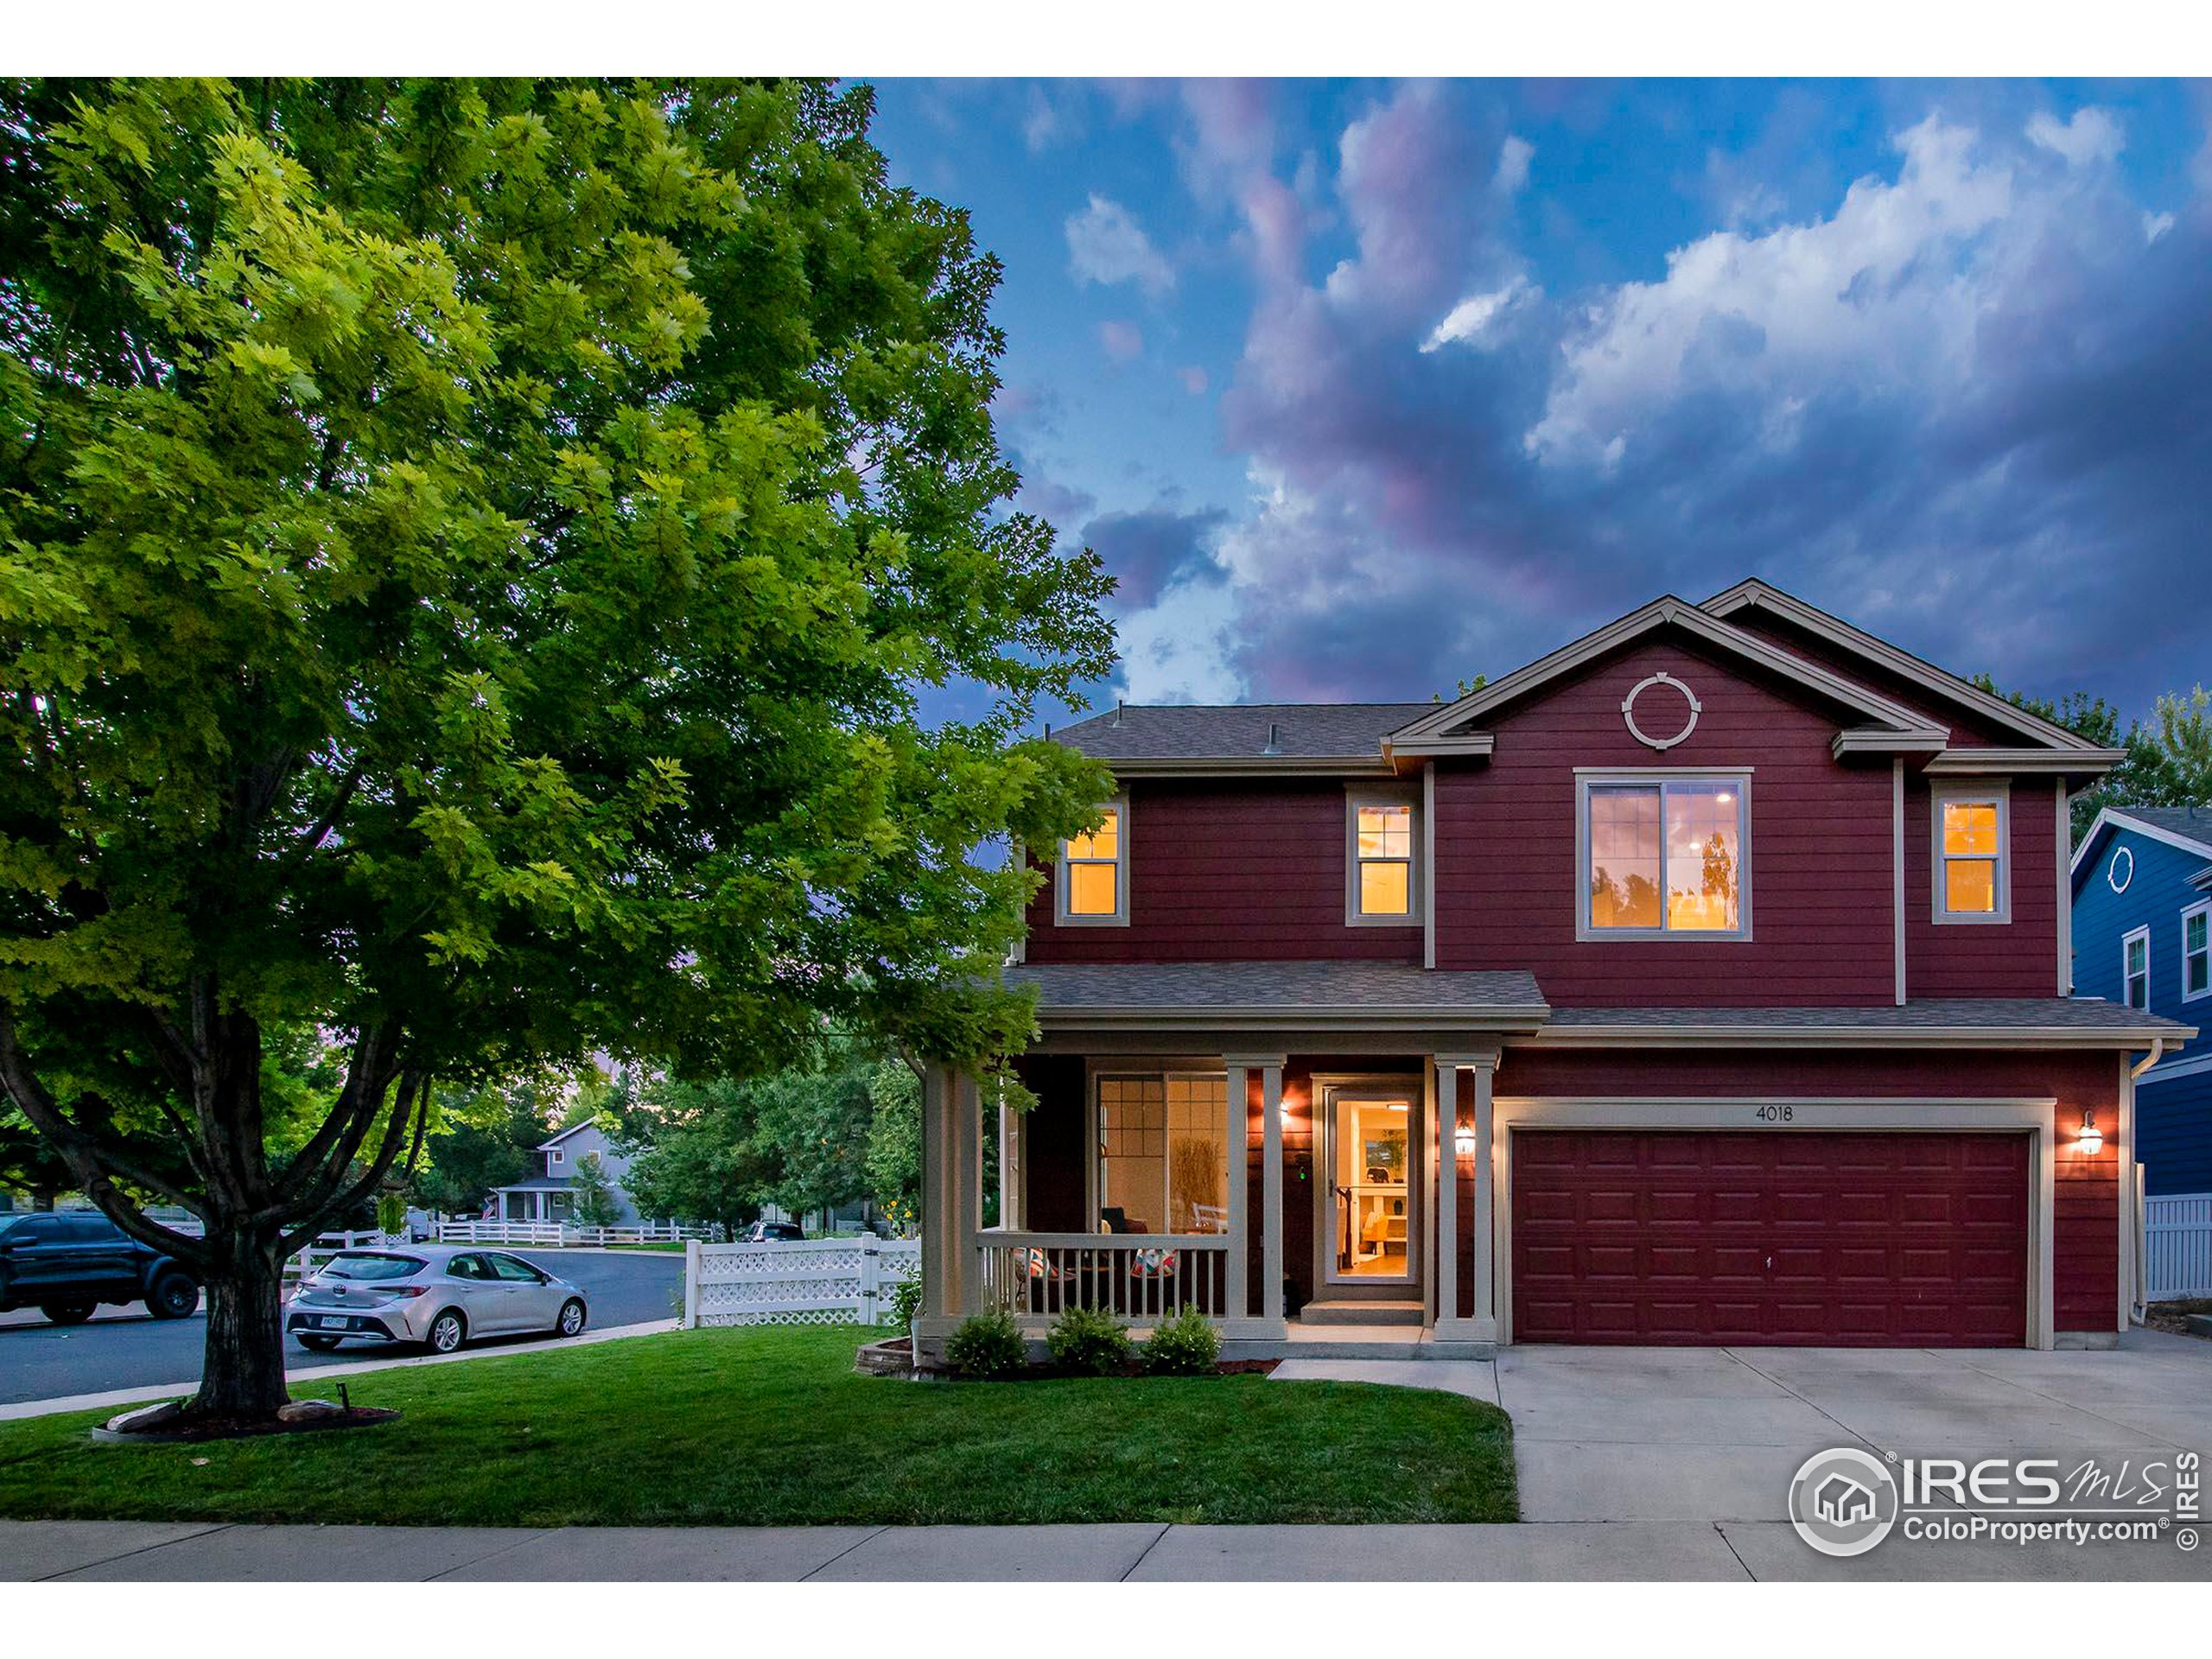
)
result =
(242, 1369)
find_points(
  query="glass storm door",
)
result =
(1373, 1150)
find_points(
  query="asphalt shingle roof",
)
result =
(2194, 821)
(1287, 985)
(1220, 731)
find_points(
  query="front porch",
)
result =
(1312, 1203)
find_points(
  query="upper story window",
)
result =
(1094, 874)
(1665, 855)
(2196, 951)
(2135, 968)
(1972, 881)
(1384, 885)
(556, 1155)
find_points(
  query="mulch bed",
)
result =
(172, 1423)
(895, 1357)
(2174, 1316)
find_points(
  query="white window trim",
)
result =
(1121, 916)
(1094, 1156)
(1415, 886)
(2127, 939)
(1939, 792)
(2202, 907)
(1586, 779)
(554, 1155)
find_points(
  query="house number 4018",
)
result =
(1774, 1113)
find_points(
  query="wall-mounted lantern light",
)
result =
(1463, 1139)
(2089, 1137)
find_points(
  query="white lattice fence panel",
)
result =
(796, 1281)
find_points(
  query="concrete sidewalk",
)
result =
(1734, 1551)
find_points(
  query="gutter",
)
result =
(2157, 1053)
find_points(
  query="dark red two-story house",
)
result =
(1702, 982)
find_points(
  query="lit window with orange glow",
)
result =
(1970, 875)
(1382, 882)
(1661, 857)
(1094, 875)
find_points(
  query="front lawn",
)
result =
(773, 1426)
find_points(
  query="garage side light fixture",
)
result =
(2089, 1137)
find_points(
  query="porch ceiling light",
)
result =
(1463, 1139)
(2089, 1137)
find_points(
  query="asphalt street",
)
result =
(126, 1348)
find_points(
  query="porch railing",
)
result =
(1142, 1277)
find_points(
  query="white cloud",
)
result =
(1194, 379)
(1106, 245)
(2091, 136)
(2156, 226)
(1122, 341)
(1179, 649)
(1469, 320)
(1513, 158)
(1879, 294)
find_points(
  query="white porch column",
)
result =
(1271, 1192)
(967, 1191)
(1484, 1265)
(1239, 1131)
(1011, 1183)
(1446, 1208)
(943, 1262)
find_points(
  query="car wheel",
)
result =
(172, 1296)
(447, 1331)
(66, 1313)
(572, 1317)
(318, 1344)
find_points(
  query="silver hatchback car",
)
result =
(441, 1295)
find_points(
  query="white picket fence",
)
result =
(796, 1281)
(562, 1234)
(2176, 1247)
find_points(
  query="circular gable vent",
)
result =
(1662, 700)
(2121, 871)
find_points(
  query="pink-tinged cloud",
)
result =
(1123, 342)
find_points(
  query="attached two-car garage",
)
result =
(1810, 1237)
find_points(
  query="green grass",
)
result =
(762, 1426)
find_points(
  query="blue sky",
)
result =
(1361, 388)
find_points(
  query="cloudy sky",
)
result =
(1363, 387)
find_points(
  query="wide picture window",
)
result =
(1163, 1155)
(1665, 857)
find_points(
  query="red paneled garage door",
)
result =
(1789, 1236)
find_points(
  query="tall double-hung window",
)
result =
(2135, 968)
(1665, 856)
(1094, 872)
(1973, 880)
(2196, 951)
(1384, 869)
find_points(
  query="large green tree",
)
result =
(469, 556)
(2167, 762)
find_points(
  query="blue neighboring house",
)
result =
(2142, 882)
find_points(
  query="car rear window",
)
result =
(368, 1264)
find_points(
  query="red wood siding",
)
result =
(1820, 874)
(2016, 959)
(1858, 1240)
(2086, 1200)
(1968, 730)
(1225, 872)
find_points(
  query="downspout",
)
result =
(2157, 1053)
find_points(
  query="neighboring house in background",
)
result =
(1703, 981)
(2143, 936)
(550, 1195)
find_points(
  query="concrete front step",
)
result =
(1366, 1313)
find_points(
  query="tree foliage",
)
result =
(2167, 762)
(470, 553)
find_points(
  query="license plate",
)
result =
(332, 1322)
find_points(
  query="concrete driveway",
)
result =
(1714, 1435)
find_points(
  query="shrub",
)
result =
(987, 1345)
(1186, 1345)
(1089, 1341)
(906, 1301)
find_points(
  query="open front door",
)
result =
(1370, 1223)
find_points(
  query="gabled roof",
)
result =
(1891, 719)
(2186, 827)
(1756, 595)
(573, 1128)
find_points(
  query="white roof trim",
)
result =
(2118, 817)
(1659, 614)
(1765, 596)
(1990, 762)
(573, 1128)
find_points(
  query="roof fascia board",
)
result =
(1762, 595)
(1865, 740)
(1476, 743)
(1986, 762)
(2037, 1037)
(2114, 817)
(1659, 614)
(1139, 1018)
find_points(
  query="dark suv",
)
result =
(64, 1265)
